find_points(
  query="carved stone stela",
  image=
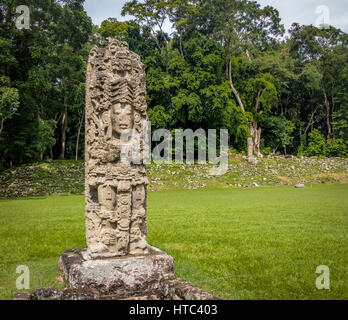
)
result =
(118, 262)
(115, 190)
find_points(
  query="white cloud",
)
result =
(304, 11)
(301, 11)
(100, 10)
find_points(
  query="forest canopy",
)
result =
(226, 64)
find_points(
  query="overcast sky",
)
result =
(334, 12)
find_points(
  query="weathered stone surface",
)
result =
(300, 186)
(118, 263)
(22, 296)
(145, 277)
(55, 294)
(182, 290)
(122, 277)
(115, 175)
(175, 289)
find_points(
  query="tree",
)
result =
(261, 97)
(223, 66)
(114, 28)
(70, 73)
(239, 26)
(277, 132)
(336, 148)
(341, 123)
(154, 14)
(45, 136)
(317, 144)
(45, 63)
(9, 101)
(321, 52)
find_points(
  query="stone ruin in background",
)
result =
(118, 263)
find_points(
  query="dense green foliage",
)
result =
(318, 146)
(226, 64)
(268, 248)
(43, 69)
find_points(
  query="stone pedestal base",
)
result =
(121, 277)
(146, 277)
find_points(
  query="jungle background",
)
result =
(282, 94)
(227, 64)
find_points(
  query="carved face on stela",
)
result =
(122, 118)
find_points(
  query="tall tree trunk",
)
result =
(311, 121)
(181, 48)
(333, 109)
(327, 106)
(64, 127)
(254, 140)
(254, 133)
(166, 48)
(257, 131)
(1, 126)
(78, 135)
(234, 90)
(166, 58)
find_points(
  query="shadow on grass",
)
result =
(24, 198)
(40, 197)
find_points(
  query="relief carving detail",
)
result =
(115, 190)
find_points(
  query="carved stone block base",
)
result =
(124, 276)
(143, 277)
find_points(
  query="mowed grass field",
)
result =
(263, 243)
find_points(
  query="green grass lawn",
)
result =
(260, 243)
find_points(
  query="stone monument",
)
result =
(118, 263)
(115, 189)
